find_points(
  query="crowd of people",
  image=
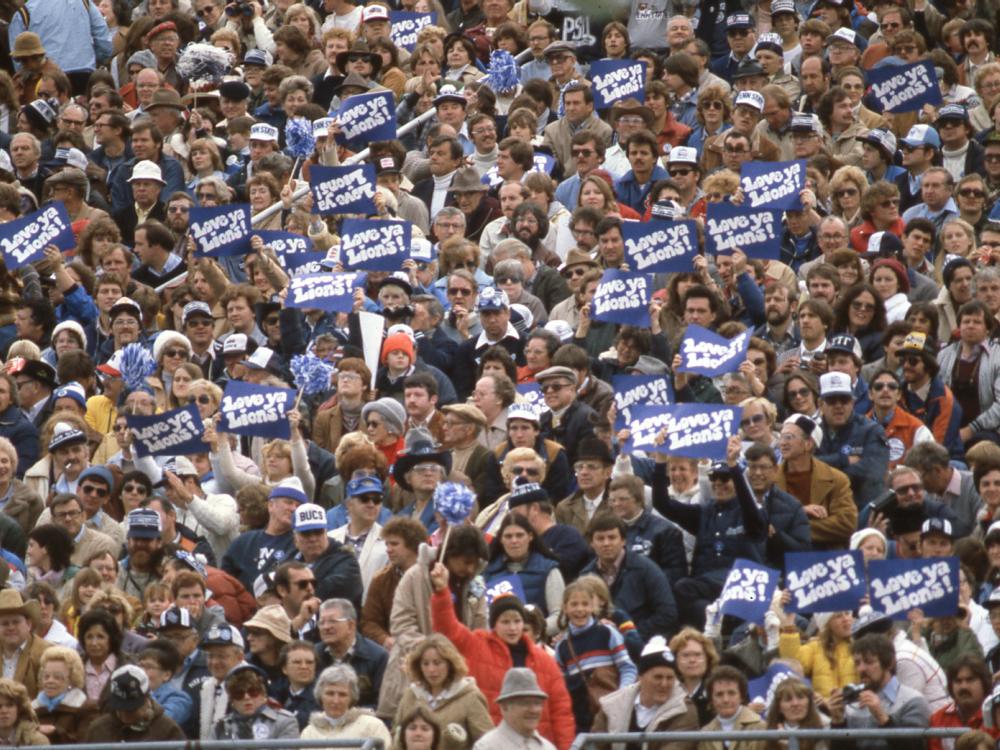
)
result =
(322, 586)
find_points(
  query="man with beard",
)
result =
(145, 549)
(178, 217)
(531, 226)
(780, 306)
(969, 682)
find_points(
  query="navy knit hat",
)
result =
(506, 604)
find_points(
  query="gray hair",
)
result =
(830, 219)
(450, 212)
(511, 248)
(927, 455)
(36, 145)
(347, 609)
(434, 307)
(224, 193)
(338, 674)
(985, 274)
(295, 83)
(8, 448)
(509, 269)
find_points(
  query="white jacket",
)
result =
(373, 556)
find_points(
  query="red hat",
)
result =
(394, 343)
(897, 268)
(159, 29)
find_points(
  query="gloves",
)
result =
(772, 629)
(713, 620)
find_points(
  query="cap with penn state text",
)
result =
(144, 523)
(524, 411)
(784, 6)
(683, 155)
(953, 112)
(261, 131)
(883, 140)
(804, 124)
(321, 127)
(750, 99)
(309, 517)
(771, 42)
(235, 343)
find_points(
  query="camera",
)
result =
(240, 7)
(398, 314)
(851, 693)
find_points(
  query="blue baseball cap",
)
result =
(922, 135)
(364, 486)
(493, 299)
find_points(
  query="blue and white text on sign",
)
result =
(613, 80)
(508, 585)
(773, 184)
(407, 25)
(757, 233)
(690, 430)
(824, 581)
(623, 298)
(285, 243)
(897, 586)
(374, 244)
(762, 689)
(660, 246)
(905, 88)
(220, 230)
(300, 263)
(343, 190)
(367, 117)
(707, 353)
(748, 590)
(255, 410)
(532, 393)
(24, 240)
(633, 391)
(172, 433)
(333, 292)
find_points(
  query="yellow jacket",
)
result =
(817, 667)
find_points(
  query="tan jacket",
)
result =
(559, 137)
(711, 157)
(29, 662)
(462, 703)
(745, 721)
(831, 489)
(678, 714)
(847, 147)
(573, 512)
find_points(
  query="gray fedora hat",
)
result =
(520, 682)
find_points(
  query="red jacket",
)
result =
(238, 604)
(947, 717)
(489, 659)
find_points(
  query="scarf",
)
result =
(351, 416)
(51, 704)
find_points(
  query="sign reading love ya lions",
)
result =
(691, 430)
(172, 433)
(256, 410)
(24, 240)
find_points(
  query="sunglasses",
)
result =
(846, 191)
(138, 488)
(911, 359)
(271, 320)
(89, 489)
(755, 419)
(890, 386)
(370, 499)
(238, 695)
(798, 392)
(715, 104)
(891, 203)
(525, 470)
(971, 193)
(204, 399)
(175, 353)
(682, 172)
(554, 387)
(456, 291)
(574, 272)
(308, 584)
(862, 306)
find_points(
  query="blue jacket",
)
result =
(747, 304)
(642, 590)
(59, 23)
(661, 541)
(932, 509)
(176, 703)
(254, 552)
(863, 438)
(77, 305)
(723, 531)
(368, 660)
(797, 251)
(337, 574)
(631, 193)
(791, 527)
(20, 430)
(121, 191)
(533, 576)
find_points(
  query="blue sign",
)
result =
(333, 292)
(343, 190)
(897, 586)
(24, 240)
(300, 263)
(762, 689)
(256, 410)
(691, 430)
(729, 227)
(220, 230)
(364, 118)
(285, 243)
(374, 244)
(406, 27)
(500, 586)
(613, 80)
(905, 88)
(622, 297)
(773, 184)
(710, 354)
(632, 391)
(660, 246)
(532, 393)
(824, 581)
(173, 433)
(748, 590)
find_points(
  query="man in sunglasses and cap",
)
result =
(334, 564)
(925, 394)
(134, 716)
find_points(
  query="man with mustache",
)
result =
(968, 685)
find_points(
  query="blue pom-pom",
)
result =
(136, 365)
(504, 75)
(454, 502)
(311, 373)
(299, 138)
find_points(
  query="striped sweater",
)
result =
(595, 645)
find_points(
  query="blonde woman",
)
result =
(441, 686)
(757, 423)
(61, 706)
(847, 186)
(826, 659)
(696, 658)
(794, 707)
(18, 727)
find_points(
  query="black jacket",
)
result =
(467, 362)
(661, 541)
(791, 527)
(368, 660)
(576, 425)
(338, 574)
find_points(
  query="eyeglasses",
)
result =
(888, 385)
(738, 33)
(714, 104)
(308, 583)
(971, 193)
(427, 468)
(77, 123)
(577, 152)
(889, 203)
(371, 499)
(137, 488)
(203, 399)
(525, 470)
(175, 353)
(845, 191)
(906, 49)
(575, 271)
(586, 466)
(911, 359)
(371, 424)
(992, 157)
(908, 489)
(238, 695)
(798, 392)
(680, 172)
(755, 419)
(67, 515)
(583, 232)
(554, 387)
(178, 210)
(200, 323)
(457, 291)
(89, 489)
(859, 306)
(205, 196)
